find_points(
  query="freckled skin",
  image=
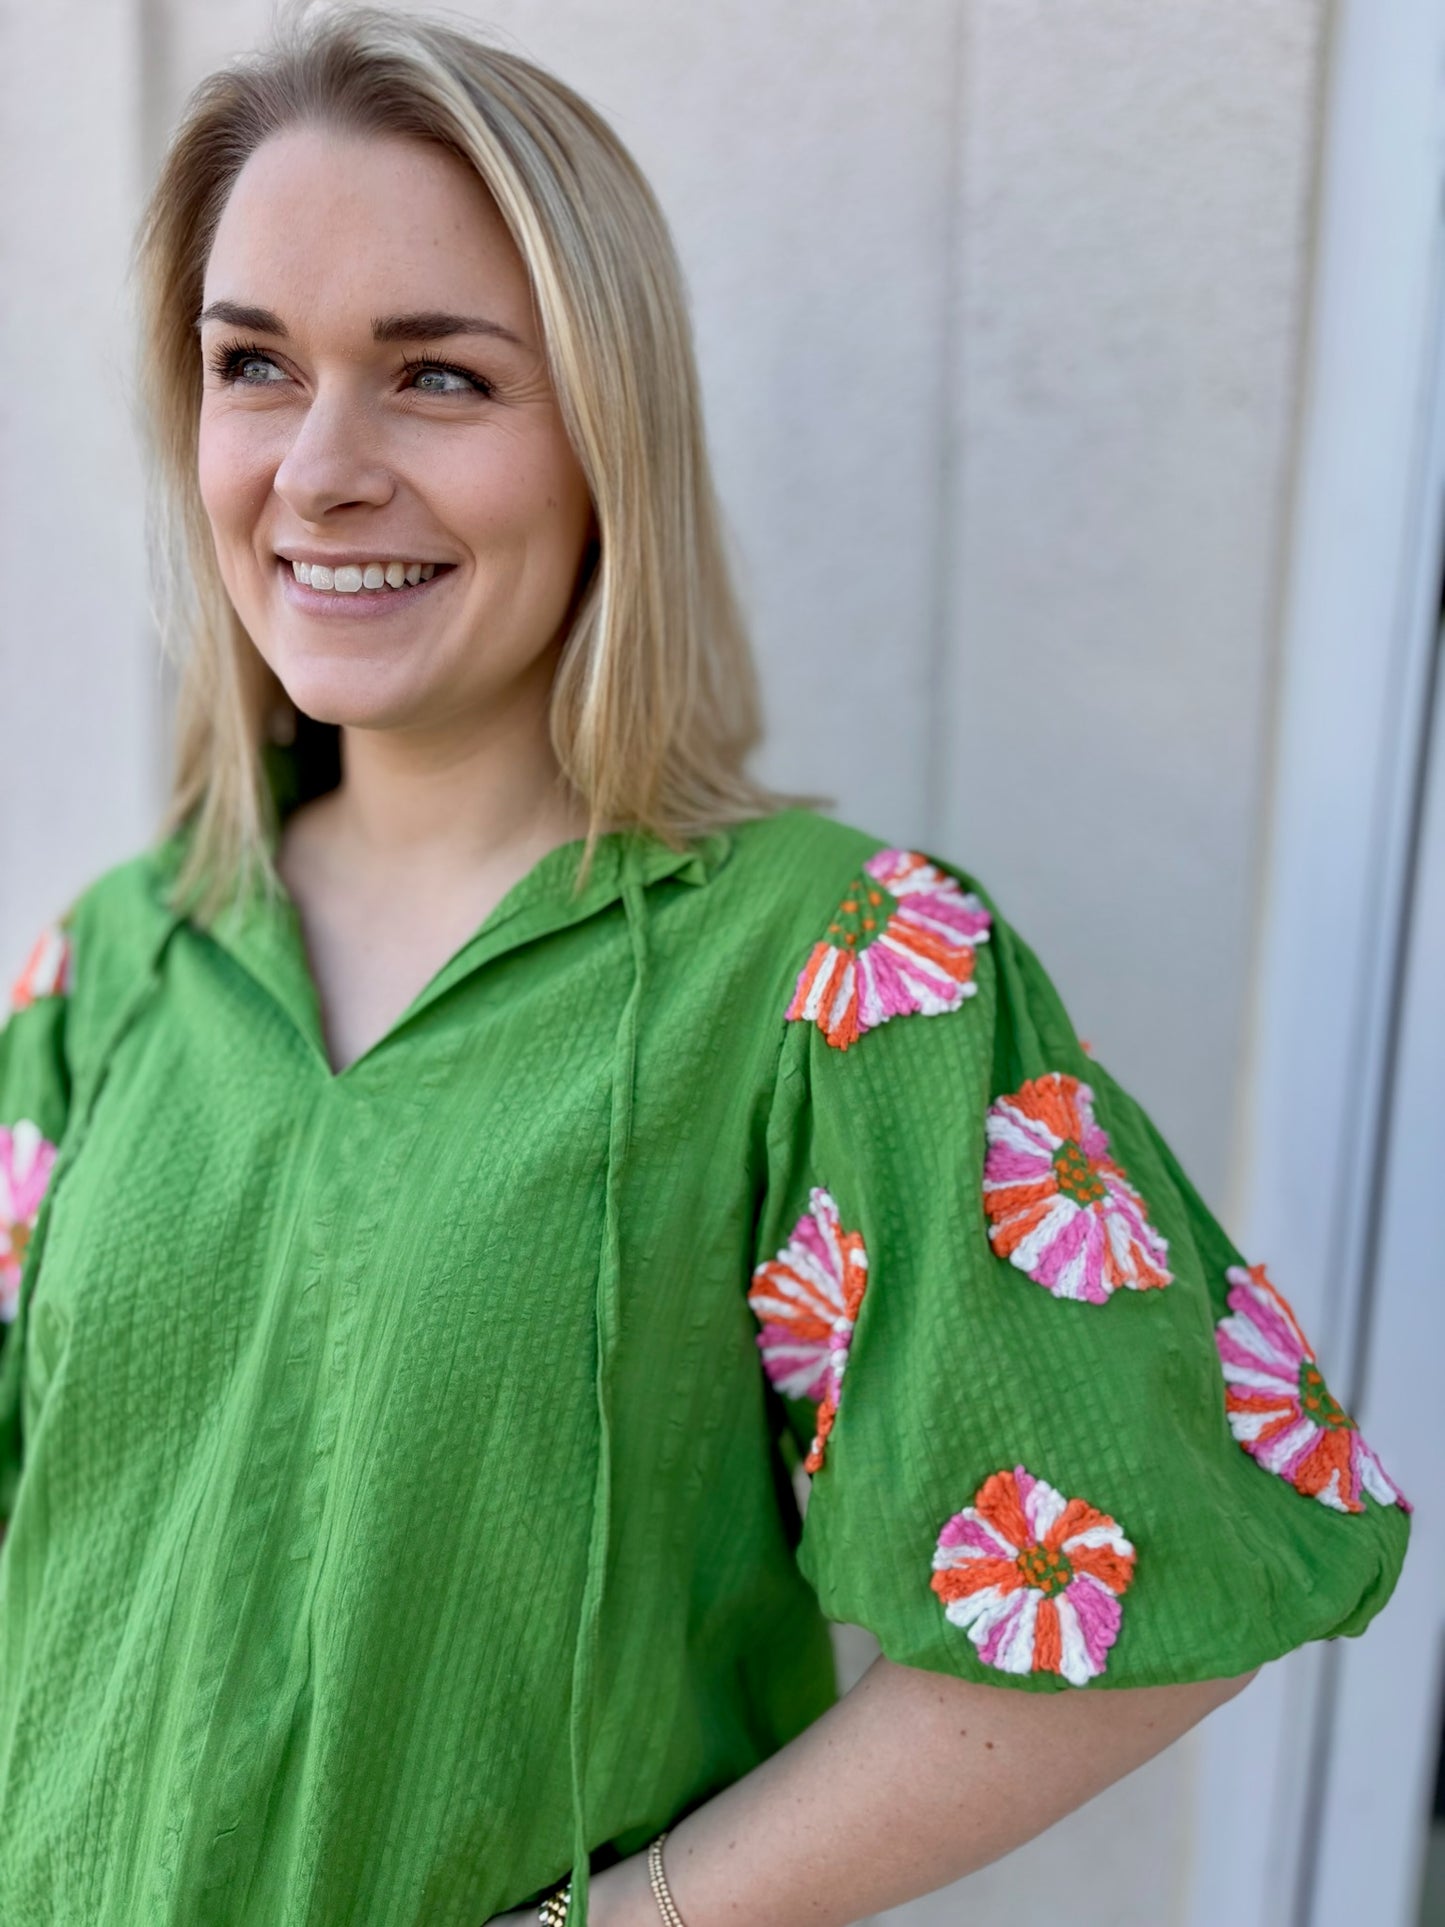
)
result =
(330, 442)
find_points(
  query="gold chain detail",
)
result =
(554, 1909)
(658, 1879)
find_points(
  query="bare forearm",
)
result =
(911, 1781)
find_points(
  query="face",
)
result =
(382, 423)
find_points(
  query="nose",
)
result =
(335, 461)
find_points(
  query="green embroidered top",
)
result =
(397, 1462)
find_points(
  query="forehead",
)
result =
(326, 223)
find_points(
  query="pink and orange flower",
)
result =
(26, 1157)
(1060, 1208)
(1034, 1578)
(46, 972)
(807, 1301)
(902, 942)
(1281, 1410)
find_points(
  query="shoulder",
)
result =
(800, 857)
(102, 940)
(795, 843)
(796, 866)
(774, 879)
(124, 907)
(76, 971)
(863, 928)
(780, 885)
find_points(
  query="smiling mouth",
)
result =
(364, 578)
(356, 588)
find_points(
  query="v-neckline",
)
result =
(267, 938)
(270, 940)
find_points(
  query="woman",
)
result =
(446, 1177)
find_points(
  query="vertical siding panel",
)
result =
(1136, 232)
(76, 782)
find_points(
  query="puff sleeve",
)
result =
(1059, 1431)
(34, 1106)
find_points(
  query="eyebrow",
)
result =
(425, 324)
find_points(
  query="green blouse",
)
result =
(399, 1463)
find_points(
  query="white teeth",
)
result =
(352, 577)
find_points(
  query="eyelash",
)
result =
(225, 363)
(479, 382)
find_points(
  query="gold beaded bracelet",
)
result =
(554, 1908)
(666, 1906)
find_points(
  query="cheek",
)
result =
(529, 498)
(232, 474)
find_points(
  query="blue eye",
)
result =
(234, 361)
(229, 360)
(476, 384)
(427, 379)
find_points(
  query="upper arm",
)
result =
(1080, 1442)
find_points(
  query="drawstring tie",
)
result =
(608, 1309)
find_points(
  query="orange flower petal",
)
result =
(1048, 1642)
(976, 1575)
(997, 1503)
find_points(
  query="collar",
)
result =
(264, 934)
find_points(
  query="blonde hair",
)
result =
(654, 705)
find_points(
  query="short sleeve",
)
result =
(34, 1105)
(1059, 1430)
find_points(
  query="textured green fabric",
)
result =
(395, 1493)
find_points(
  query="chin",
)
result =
(339, 693)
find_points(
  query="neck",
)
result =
(454, 797)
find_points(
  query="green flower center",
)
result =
(862, 915)
(1315, 1397)
(1046, 1571)
(1076, 1176)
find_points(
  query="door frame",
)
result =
(1359, 610)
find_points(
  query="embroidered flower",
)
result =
(47, 969)
(1061, 1208)
(1279, 1407)
(807, 1301)
(1035, 1578)
(902, 942)
(25, 1160)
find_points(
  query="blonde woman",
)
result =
(444, 1178)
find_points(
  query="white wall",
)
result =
(998, 304)
(998, 312)
(78, 758)
(1133, 235)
